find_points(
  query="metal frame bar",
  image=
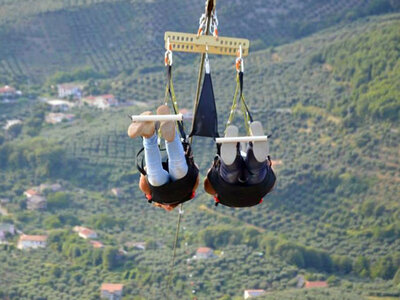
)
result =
(188, 42)
(155, 118)
(238, 139)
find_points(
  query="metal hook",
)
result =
(240, 52)
(168, 54)
(239, 60)
(207, 61)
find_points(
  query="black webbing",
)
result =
(242, 97)
(171, 93)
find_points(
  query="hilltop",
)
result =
(114, 36)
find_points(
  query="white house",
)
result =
(116, 192)
(204, 253)
(253, 293)
(55, 187)
(59, 105)
(111, 291)
(6, 229)
(11, 123)
(32, 241)
(102, 101)
(85, 233)
(36, 202)
(55, 118)
(137, 245)
(31, 192)
(70, 89)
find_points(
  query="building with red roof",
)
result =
(97, 244)
(8, 91)
(31, 192)
(204, 253)
(85, 233)
(111, 291)
(315, 284)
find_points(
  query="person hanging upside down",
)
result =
(165, 188)
(237, 178)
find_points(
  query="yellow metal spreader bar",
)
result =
(187, 42)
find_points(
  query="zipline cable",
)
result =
(210, 7)
(171, 271)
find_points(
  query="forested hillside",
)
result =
(112, 36)
(323, 78)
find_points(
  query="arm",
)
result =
(143, 185)
(208, 187)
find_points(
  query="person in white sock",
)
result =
(177, 165)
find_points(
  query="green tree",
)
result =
(110, 258)
(396, 278)
(361, 266)
(52, 222)
(383, 268)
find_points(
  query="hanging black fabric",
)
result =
(205, 121)
(171, 93)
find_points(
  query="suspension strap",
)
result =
(245, 109)
(170, 94)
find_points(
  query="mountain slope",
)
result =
(116, 36)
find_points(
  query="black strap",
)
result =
(140, 166)
(241, 96)
(169, 83)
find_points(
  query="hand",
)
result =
(167, 207)
(143, 185)
(208, 187)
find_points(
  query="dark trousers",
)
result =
(244, 170)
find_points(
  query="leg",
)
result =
(177, 165)
(156, 175)
(231, 161)
(256, 171)
(232, 173)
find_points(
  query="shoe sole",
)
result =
(228, 150)
(167, 127)
(260, 149)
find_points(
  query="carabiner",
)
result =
(168, 55)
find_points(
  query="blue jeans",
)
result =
(177, 165)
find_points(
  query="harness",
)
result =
(240, 194)
(173, 192)
(179, 191)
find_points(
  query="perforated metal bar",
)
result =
(239, 139)
(187, 42)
